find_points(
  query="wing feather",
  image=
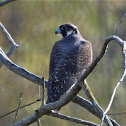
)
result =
(67, 62)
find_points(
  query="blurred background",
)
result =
(32, 23)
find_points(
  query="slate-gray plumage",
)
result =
(69, 58)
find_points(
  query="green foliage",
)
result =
(32, 23)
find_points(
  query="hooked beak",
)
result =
(57, 31)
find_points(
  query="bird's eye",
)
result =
(63, 28)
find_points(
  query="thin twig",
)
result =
(18, 107)
(120, 113)
(72, 119)
(43, 85)
(38, 122)
(6, 2)
(43, 91)
(119, 24)
(42, 81)
(43, 66)
(21, 108)
(117, 85)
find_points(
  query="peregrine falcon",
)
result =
(69, 58)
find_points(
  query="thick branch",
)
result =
(19, 70)
(6, 2)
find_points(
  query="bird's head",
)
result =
(66, 30)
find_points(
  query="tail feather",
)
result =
(58, 90)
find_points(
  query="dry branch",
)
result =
(72, 119)
(123, 44)
(78, 100)
(88, 106)
(18, 107)
(43, 91)
(119, 113)
(94, 102)
(10, 40)
(38, 122)
(43, 85)
(19, 70)
(117, 28)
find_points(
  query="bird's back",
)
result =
(69, 58)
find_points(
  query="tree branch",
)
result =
(10, 40)
(94, 102)
(21, 108)
(5, 2)
(10, 65)
(78, 100)
(88, 106)
(72, 119)
(19, 70)
(119, 24)
(38, 122)
(120, 113)
(18, 107)
(117, 85)
(43, 91)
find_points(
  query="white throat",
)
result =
(60, 35)
(69, 32)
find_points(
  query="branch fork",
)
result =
(10, 40)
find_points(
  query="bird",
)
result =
(70, 57)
